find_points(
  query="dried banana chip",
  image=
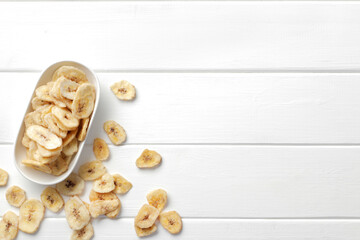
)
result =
(68, 88)
(142, 232)
(65, 117)
(71, 148)
(106, 196)
(104, 184)
(69, 137)
(148, 159)
(71, 73)
(32, 213)
(115, 132)
(146, 216)
(37, 165)
(25, 141)
(92, 170)
(100, 149)
(4, 176)
(9, 226)
(86, 233)
(100, 207)
(122, 185)
(37, 103)
(72, 185)
(123, 90)
(15, 196)
(84, 123)
(44, 137)
(48, 153)
(60, 165)
(171, 221)
(77, 215)
(84, 101)
(157, 198)
(52, 199)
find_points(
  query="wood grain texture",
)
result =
(235, 108)
(204, 229)
(231, 181)
(160, 35)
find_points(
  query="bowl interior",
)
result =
(20, 151)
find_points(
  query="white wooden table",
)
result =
(254, 106)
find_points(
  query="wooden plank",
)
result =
(161, 35)
(212, 229)
(236, 108)
(231, 181)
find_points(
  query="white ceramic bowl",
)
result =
(20, 151)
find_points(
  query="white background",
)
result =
(254, 106)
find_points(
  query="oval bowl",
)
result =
(20, 151)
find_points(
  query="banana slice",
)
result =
(9, 226)
(72, 73)
(122, 185)
(146, 216)
(157, 198)
(84, 100)
(69, 137)
(83, 129)
(71, 148)
(123, 90)
(104, 184)
(55, 89)
(68, 88)
(77, 215)
(86, 233)
(142, 232)
(44, 160)
(31, 214)
(44, 137)
(100, 207)
(15, 196)
(43, 93)
(171, 221)
(25, 141)
(4, 176)
(92, 170)
(115, 132)
(65, 117)
(72, 185)
(106, 196)
(148, 159)
(60, 165)
(33, 118)
(52, 199)
(48, 153)
(100, 149)
(37, 165)
(36, 103)
(51, 124)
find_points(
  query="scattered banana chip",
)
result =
(100, 207)
(9, 226)
(122, 185)
(115, 132)
(31, 214)
(84, 124)
(52, 199)
(71, 148)
(44, 137)
(71, 73)
(86, 233)
(15, 196)
(104, 184)
(157, 198)
(143, 232)
(84, 101)
(146, 216)
(4, 176)
(123, 90)
(106, 196)
(72, 185)
(100, 149)
(171, 221)
(148, 159)
(92, 170)
(77, 215)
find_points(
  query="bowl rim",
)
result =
(60, 178)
